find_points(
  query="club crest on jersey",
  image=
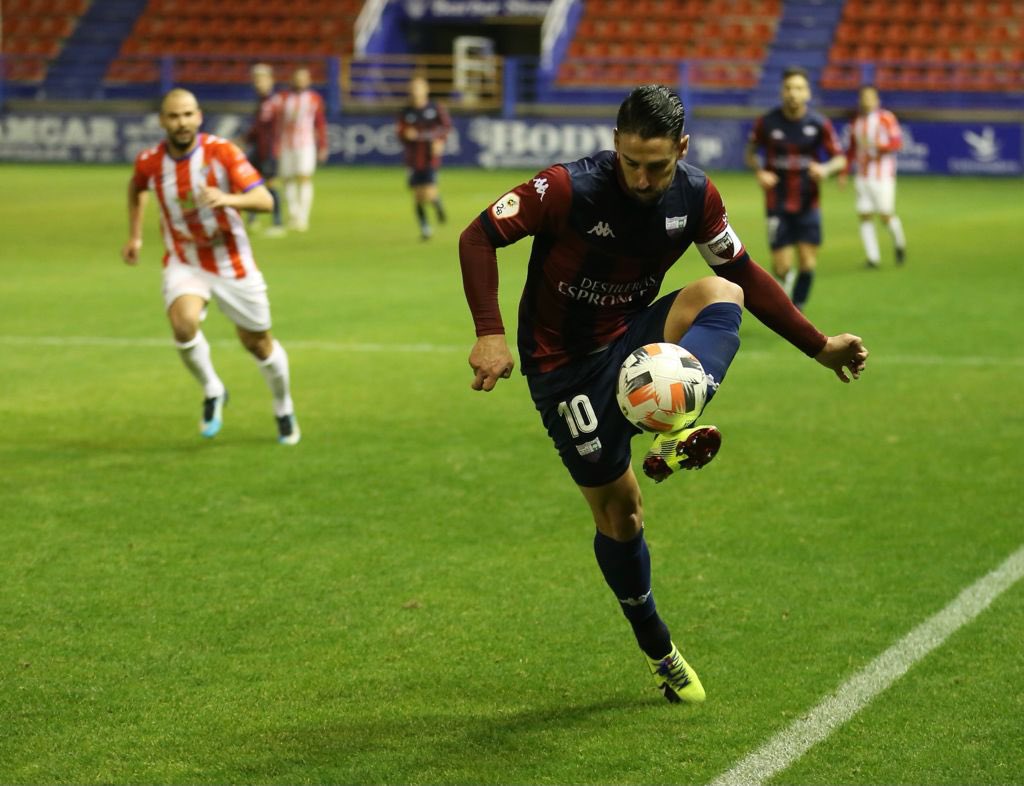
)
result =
(506, 207)
(675, 224)
(601, 229)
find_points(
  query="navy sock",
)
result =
(421, 214)
(441, 217)
(714, 338)
(627, 570)
(277, 206)
(802, 288)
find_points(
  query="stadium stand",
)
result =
(931, 52)
(623, 42)
(219, 43)
(34, 32)
(929, 46)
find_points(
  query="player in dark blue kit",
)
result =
(786, 149)
(423, 127)
(606, 231)
(262, 138)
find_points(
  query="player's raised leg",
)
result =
(185, 314)
(273, 364)
(705, 320)
(625, 562)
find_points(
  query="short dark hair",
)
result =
(796, 71)
(651, 111)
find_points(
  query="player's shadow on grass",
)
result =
(434, 747)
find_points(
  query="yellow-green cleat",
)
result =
(676, 679)
(688, 448)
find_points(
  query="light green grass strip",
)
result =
(856, 693)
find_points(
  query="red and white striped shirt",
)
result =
(874, 140)
(213, 239)
(303, 121)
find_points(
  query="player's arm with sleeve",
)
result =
(893, 132)
(247, 189)
(722, 249)
(440, 130)
(752, 156)
(138, 195)
(833, 148)
(320, 131)
(539, 205)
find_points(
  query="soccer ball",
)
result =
(662, 387)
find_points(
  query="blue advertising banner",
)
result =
(929, 147)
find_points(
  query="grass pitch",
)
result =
(410, 596)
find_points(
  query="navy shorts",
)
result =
(788, 229)
(422, 177)
(265, 166)
(578, 407)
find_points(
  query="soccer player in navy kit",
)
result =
(793, 140)
(423, 127)
(606, 230)
(262, 138)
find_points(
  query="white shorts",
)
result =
(875, 195)
(243, 300)
(299, 162)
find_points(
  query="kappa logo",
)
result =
(636, 601)
(540, 184)
(601, 229)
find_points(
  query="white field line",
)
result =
(364, 347)
(790, 744)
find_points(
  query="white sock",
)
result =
(195, 354)
(896, 230)
(869, 238)
(291, 196)
(789, 280)
(306, 199)
(275, 371)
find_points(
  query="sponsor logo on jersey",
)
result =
(590, 450)
(540, 184)
(810, 130)
(675, 224)
(506, 207)
(601, 229)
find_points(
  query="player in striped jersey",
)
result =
(201, 182)
(606, 231)
(786, 149)
(875, 138)
(303, 143)
(423, 127)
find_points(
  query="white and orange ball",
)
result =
(662, 387)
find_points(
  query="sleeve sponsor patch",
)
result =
(506, 207)
(723, 247)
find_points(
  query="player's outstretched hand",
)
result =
(130, 252)
(490, 360)
(213, 197)
(842, 353)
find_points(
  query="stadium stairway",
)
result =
(79, 69)
(802, 38)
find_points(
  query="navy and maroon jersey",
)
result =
(263, 133)
(789, 146)
(431, 123)
(599, 256)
